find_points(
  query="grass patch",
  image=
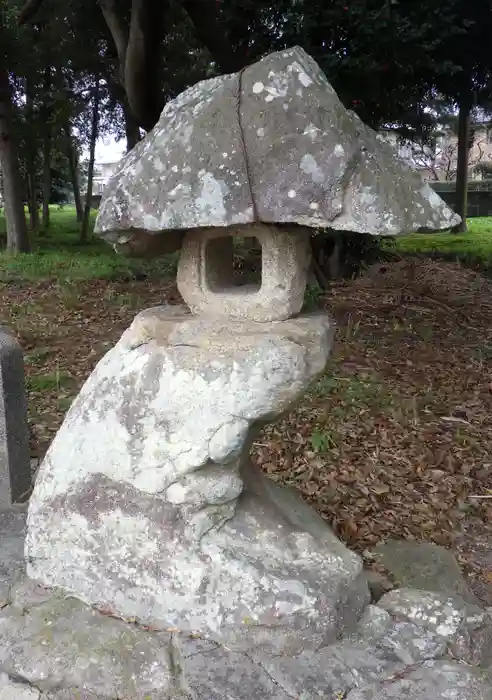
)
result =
(353, 393)
(323, 440)
(49, 382)
(39, 355)
(474, 246)
(58, 254)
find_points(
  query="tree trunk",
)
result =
(74, 176)
(46, 176)
(132, 129)
(118, 28)
(47, 113)
(139, 49)
(84, 233)
(143, 54)
(462, 166)
(334, 261)
(31, 161)
(139, 52)
(32, 201)
(17, 234)
(316, 260)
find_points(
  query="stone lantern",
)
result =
(205, 278)
(147, 502)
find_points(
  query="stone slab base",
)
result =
(414, 645)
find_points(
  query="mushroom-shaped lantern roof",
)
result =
(272, 143)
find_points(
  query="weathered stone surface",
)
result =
(78, 694)
(26, 594)
(9, 690)
(380, 648)
(425, 566)
(63, 644)
(15, 466)
(378, 585)
(466, 628)
(407, 641)
(311, 162)
(71, 652)
(12, 565)
(205, 273)
(143, 244)
(332, 671)
(434, 680)
(167, 521)
(212, 672)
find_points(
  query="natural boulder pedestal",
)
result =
(161, 515)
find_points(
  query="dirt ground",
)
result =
(395, 440)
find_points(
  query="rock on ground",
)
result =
(434, 680)
(413, 646)
(58, 648)
(424, 565)
(10, 690)
(62, 643)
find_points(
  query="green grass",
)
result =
(49, 382)
(58, 254)
(474, 246)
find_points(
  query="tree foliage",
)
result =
(382, 56)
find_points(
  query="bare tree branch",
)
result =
(440, 158)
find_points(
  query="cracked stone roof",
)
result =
(310, 162)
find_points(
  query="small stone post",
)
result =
(15, 470)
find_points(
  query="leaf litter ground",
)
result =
(393, 441)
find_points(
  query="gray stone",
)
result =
(311, 162)
(407, 641)
(26, 593)
(71, 652)
(205, 274)
(379, 649)
(411, 644)
(216, 673)
(169, 522)
(10, 690)
(425, 566)
(331, 671)
(465, 628)
(378, 585)
(12, 565)
(373, 623)
(433, 680)
(72, 694)
(63, 644)
(15, 470)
